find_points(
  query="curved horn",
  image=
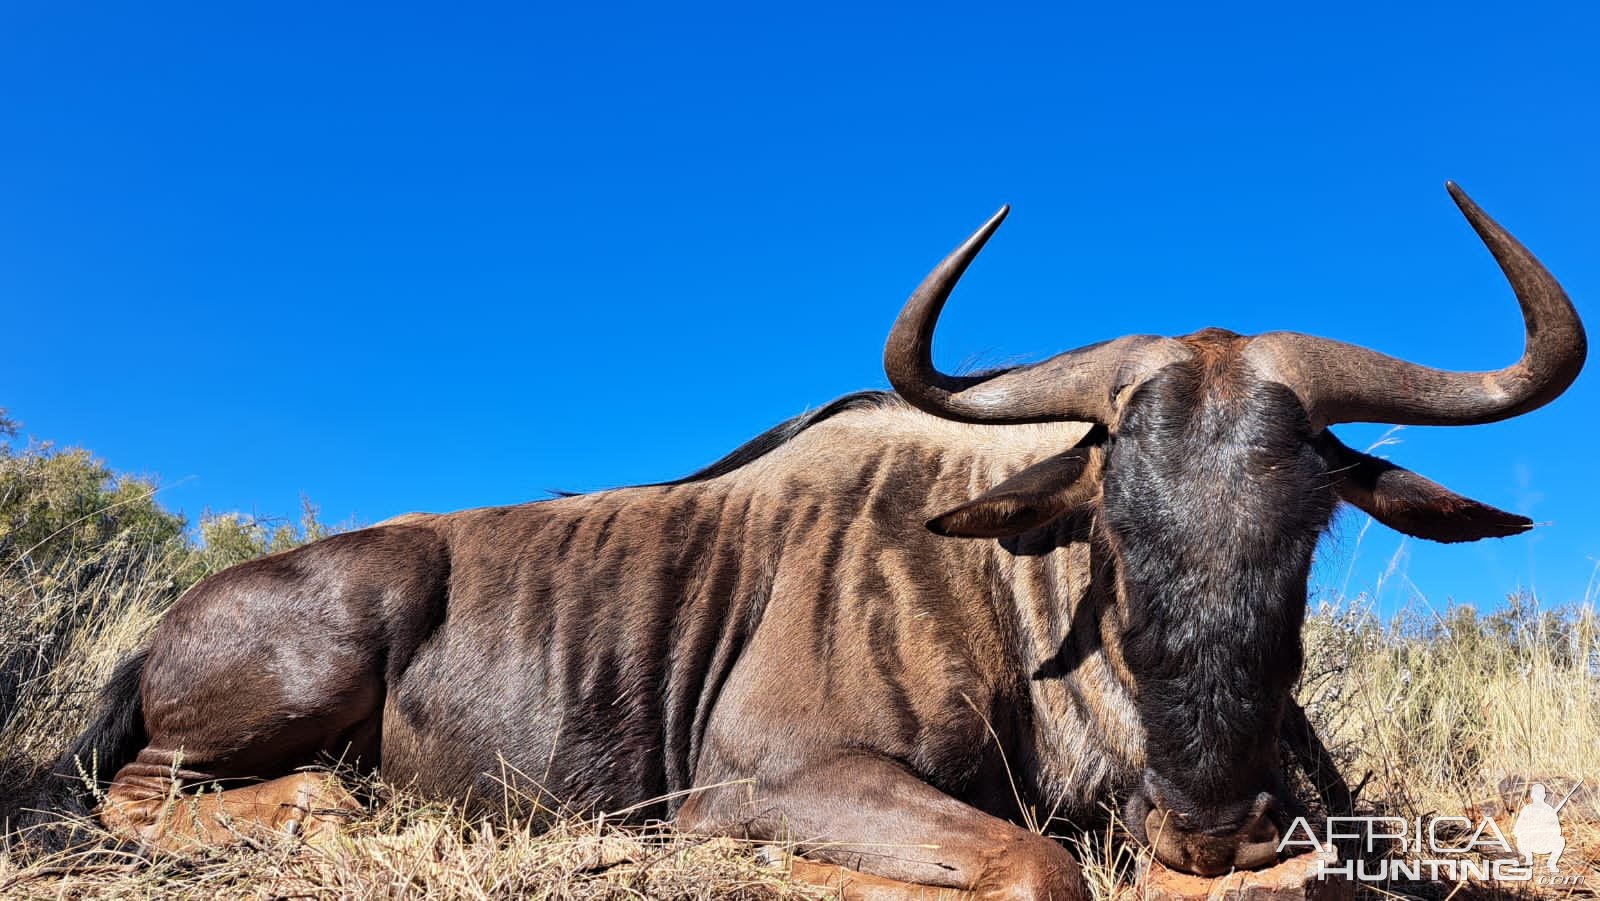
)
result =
(1079, 385)
(1340, 382)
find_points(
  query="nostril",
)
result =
(1256, 855)
(1261, 823)
(1258, 838)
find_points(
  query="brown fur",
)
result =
(771, 625)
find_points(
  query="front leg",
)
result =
(871, 814)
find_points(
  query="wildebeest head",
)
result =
(1210, 478)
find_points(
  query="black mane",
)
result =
(784, 432)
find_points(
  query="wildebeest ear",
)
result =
(1027, 500)
(1409, 503)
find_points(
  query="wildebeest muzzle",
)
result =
(1209, 843)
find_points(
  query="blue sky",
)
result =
(399, 258)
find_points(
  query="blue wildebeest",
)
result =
(882, 629)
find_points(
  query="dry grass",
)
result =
(1439, 709)
(62, 631)
(411, 850)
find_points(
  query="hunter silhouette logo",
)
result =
(1537, 829)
